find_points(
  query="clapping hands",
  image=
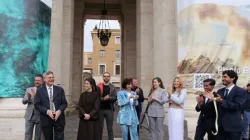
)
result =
(200, 100)
(136, 97)
(153, 98)
(170, 92)
(137, 91)
(31, 93)
(219, 99)
(208, 95)
(107, 97)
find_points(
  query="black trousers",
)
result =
(109, 116)
(53, 128)
(223, 135)
(201, 131)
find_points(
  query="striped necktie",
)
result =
(51, 99)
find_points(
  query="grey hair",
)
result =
(44, 75)
(47, 73)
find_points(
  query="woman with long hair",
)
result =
(176, 95)
(89, 106)
(127, 116)
(157, 98)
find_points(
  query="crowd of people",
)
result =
(220, 112)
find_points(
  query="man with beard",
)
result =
(231, 99)
(50, 101)
(138, 108)
(246, 115)
(108, 97)
(207, 116)
(32, 116)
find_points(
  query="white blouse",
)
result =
(179, 98)
(131, 100)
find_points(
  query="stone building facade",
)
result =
(148, 42)
(104, 59)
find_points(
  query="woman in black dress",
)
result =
(89, 105)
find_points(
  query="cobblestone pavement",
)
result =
(72, 127)
(13, 128)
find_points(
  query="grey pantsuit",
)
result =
(156, 114)
(29, 126)
(156, 127)
(32, 117)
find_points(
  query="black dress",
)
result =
(89, 103)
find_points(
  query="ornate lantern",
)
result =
(103, 32)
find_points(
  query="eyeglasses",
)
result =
(106, 76)
(50, 77)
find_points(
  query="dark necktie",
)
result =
(207, 101)
(226, 94)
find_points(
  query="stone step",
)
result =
(12, 108)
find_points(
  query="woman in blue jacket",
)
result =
(127, 116)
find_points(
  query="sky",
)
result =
(47, 2)
(185, 3)
(89, 26)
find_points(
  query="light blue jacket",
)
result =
(127, 115)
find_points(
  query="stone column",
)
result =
(128, 46)
(122, 48)
(61, 42)
(77, 51)
(165, 40)
(144, 44)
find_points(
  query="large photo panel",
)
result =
(213, 35)
(24, 44)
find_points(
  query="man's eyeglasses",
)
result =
(106, 76)
(50, 77)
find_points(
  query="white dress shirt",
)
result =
(229, 89)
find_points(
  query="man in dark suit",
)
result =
(50, 101)
(231, 99)
(246, 116)
(206, 121)
(138, 108)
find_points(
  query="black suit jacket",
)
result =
(207, 113)
(230, 109)
(140, 99)
(42, 104)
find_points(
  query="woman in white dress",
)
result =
(176, 95)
